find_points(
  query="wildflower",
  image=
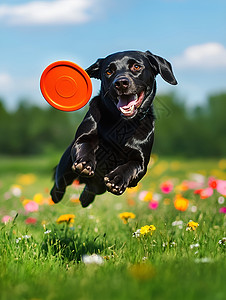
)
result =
(6, 219)
(192, 225)
(92, 259)
(221, 187)
(125, 216)
(47, 231)
(212, 182)
(75, 199)
(166, 187)
(31, 206)
(16, 190)
(179, 224)
(30, 221)
(67, 218)
(221, 200)
(18, 240)
(153, 204)
(222, 241)
(145, 196)
(26, 236)
(38, 198)
(194, 245)
(27, 179)
(222, 210)
(194, 208)
(181, 203)
(136, 234)
(206, 193)
(147, 229)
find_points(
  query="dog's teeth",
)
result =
(126, 111)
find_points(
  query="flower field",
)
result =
(164, 239)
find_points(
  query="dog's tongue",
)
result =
(126, 101)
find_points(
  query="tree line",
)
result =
(180, 131)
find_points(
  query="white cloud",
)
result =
(49, 12)
(205, 56)
(5, 81)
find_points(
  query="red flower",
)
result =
(197, 192)
(31, 221)
(212, 182)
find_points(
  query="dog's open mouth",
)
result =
(128, 104)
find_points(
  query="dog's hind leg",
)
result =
(63, 176)
(90, 191)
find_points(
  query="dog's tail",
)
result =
(87, 197)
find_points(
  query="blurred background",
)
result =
(190, 118)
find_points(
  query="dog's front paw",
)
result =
(115, 183)
(83, 167)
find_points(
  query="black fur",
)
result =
(112, 145)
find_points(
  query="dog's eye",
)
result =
(136, 67)
(109, 72)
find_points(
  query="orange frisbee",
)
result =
(66, 86)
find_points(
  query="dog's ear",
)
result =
(94, 70)
(162, 66)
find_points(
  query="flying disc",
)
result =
(66, 86)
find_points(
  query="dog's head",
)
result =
(128, 79)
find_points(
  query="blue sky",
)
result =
(191, 34)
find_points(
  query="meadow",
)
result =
(164, 239)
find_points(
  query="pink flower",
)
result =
(212, 182)
(166, 187)
(30, 221)
(192, 185)
(221, 187)
(206, 193)
(6, 219)
(153, 204)
(31, 206)
(222, 210)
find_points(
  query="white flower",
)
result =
(92, 259)
(47, 231)
(221, 200)
(222, 241)
(18, 240)
(26, 236)
(194, 245)
(178, 223)
(136, 234)
(194, 208)
(16, 191)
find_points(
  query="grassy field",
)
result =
(103, 256)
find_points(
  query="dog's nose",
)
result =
(121, 83)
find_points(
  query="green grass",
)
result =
(35, 264)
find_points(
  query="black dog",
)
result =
(112, 145)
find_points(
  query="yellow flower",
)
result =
(125, 216)
(27, 179)
(192, 225)
(38, 198)
(68, 218)
(147, 228)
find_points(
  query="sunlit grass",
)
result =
(45, 260)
